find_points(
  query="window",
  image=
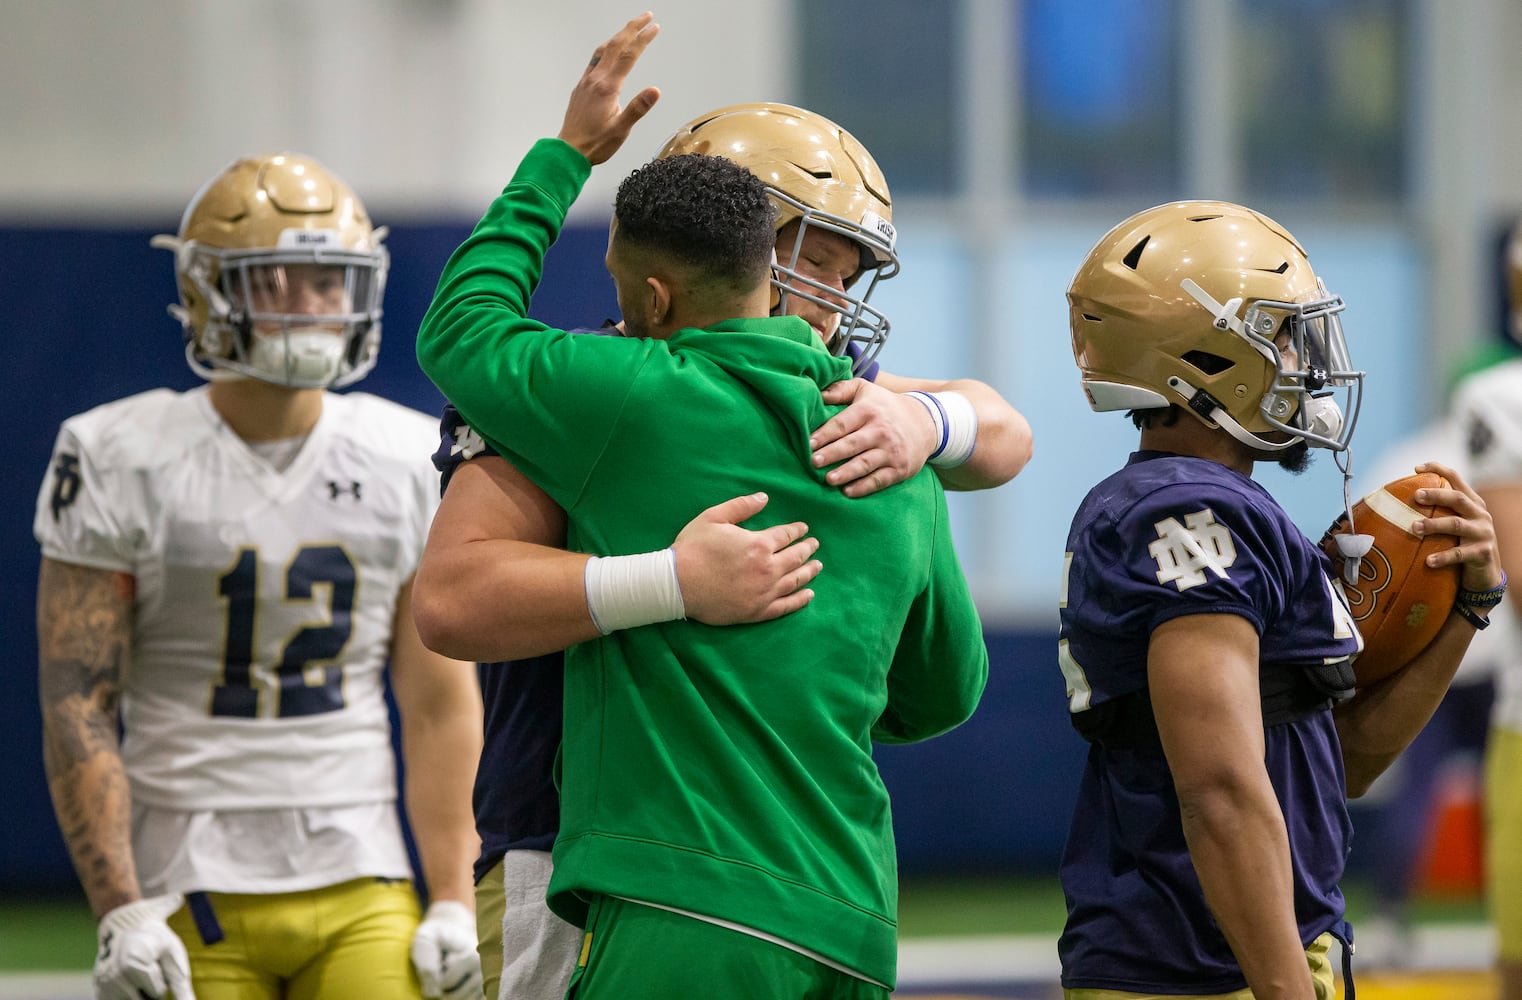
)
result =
(883, 70)
(1319, 103)
(1100, 82)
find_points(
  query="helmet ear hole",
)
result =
(1210, 364)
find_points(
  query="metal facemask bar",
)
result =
(230, 322)
(1316, 337)
(1325, 367)
(860, 323)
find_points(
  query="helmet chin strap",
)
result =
(1207, 406)
(1350, 545)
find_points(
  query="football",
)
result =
(1398, 602)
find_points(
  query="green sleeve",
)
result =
(544, 398)
(941, 663)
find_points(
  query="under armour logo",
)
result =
(337, 489)
(1184, 551)
(467, 442)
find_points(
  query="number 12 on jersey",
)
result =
(304, 683)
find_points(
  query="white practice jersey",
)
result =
(264, 598)
(1488, 414)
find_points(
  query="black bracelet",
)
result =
(1465, 612)
(1484, 598)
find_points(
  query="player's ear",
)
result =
(659, 294)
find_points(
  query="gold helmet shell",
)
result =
(261, 219)
(821, 177)
(1214, 307)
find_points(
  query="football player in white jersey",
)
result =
(226, 572)
(1487, 408)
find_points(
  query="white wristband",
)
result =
(629, 591)
(956, 426)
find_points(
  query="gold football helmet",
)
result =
(280, 274)
(1214, 307)
(822, 178)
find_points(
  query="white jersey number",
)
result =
(307, 680)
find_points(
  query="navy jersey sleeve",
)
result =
(459, 442)
(854, 352)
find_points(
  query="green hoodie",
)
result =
(727, 771)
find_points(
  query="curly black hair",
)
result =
(703, 211)
(1155, 416)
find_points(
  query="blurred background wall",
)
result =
(1383, 133)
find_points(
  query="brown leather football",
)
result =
(1397, 600)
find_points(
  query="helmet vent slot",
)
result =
(1134, 257)
(1204, 218)
(1282, 268)
(1210, 364)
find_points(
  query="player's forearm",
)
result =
(1004, 441)
(1377, 724)
(1240, 850)
(83, 631)
(91, 801)
(439, 705)
(438, 807)
(1003, 444)
(498, 599)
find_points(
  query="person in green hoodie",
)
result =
(723, 824)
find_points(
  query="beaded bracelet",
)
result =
(1483, 598)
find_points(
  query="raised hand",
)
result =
(595, 123)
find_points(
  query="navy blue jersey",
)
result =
(1169, 536)
(516, 803)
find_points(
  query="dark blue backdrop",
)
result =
(85, 309)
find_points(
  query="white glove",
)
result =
(444, 952)
(139, 955)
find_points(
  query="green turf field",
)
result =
(59, 933)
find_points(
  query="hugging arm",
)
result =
(495, 582)
(884, 436)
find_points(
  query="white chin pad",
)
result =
(1323, 417)
(306, 357)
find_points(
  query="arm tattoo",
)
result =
(84, 634)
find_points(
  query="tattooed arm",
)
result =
(84, 634)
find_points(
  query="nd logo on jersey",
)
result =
(1185, 551)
